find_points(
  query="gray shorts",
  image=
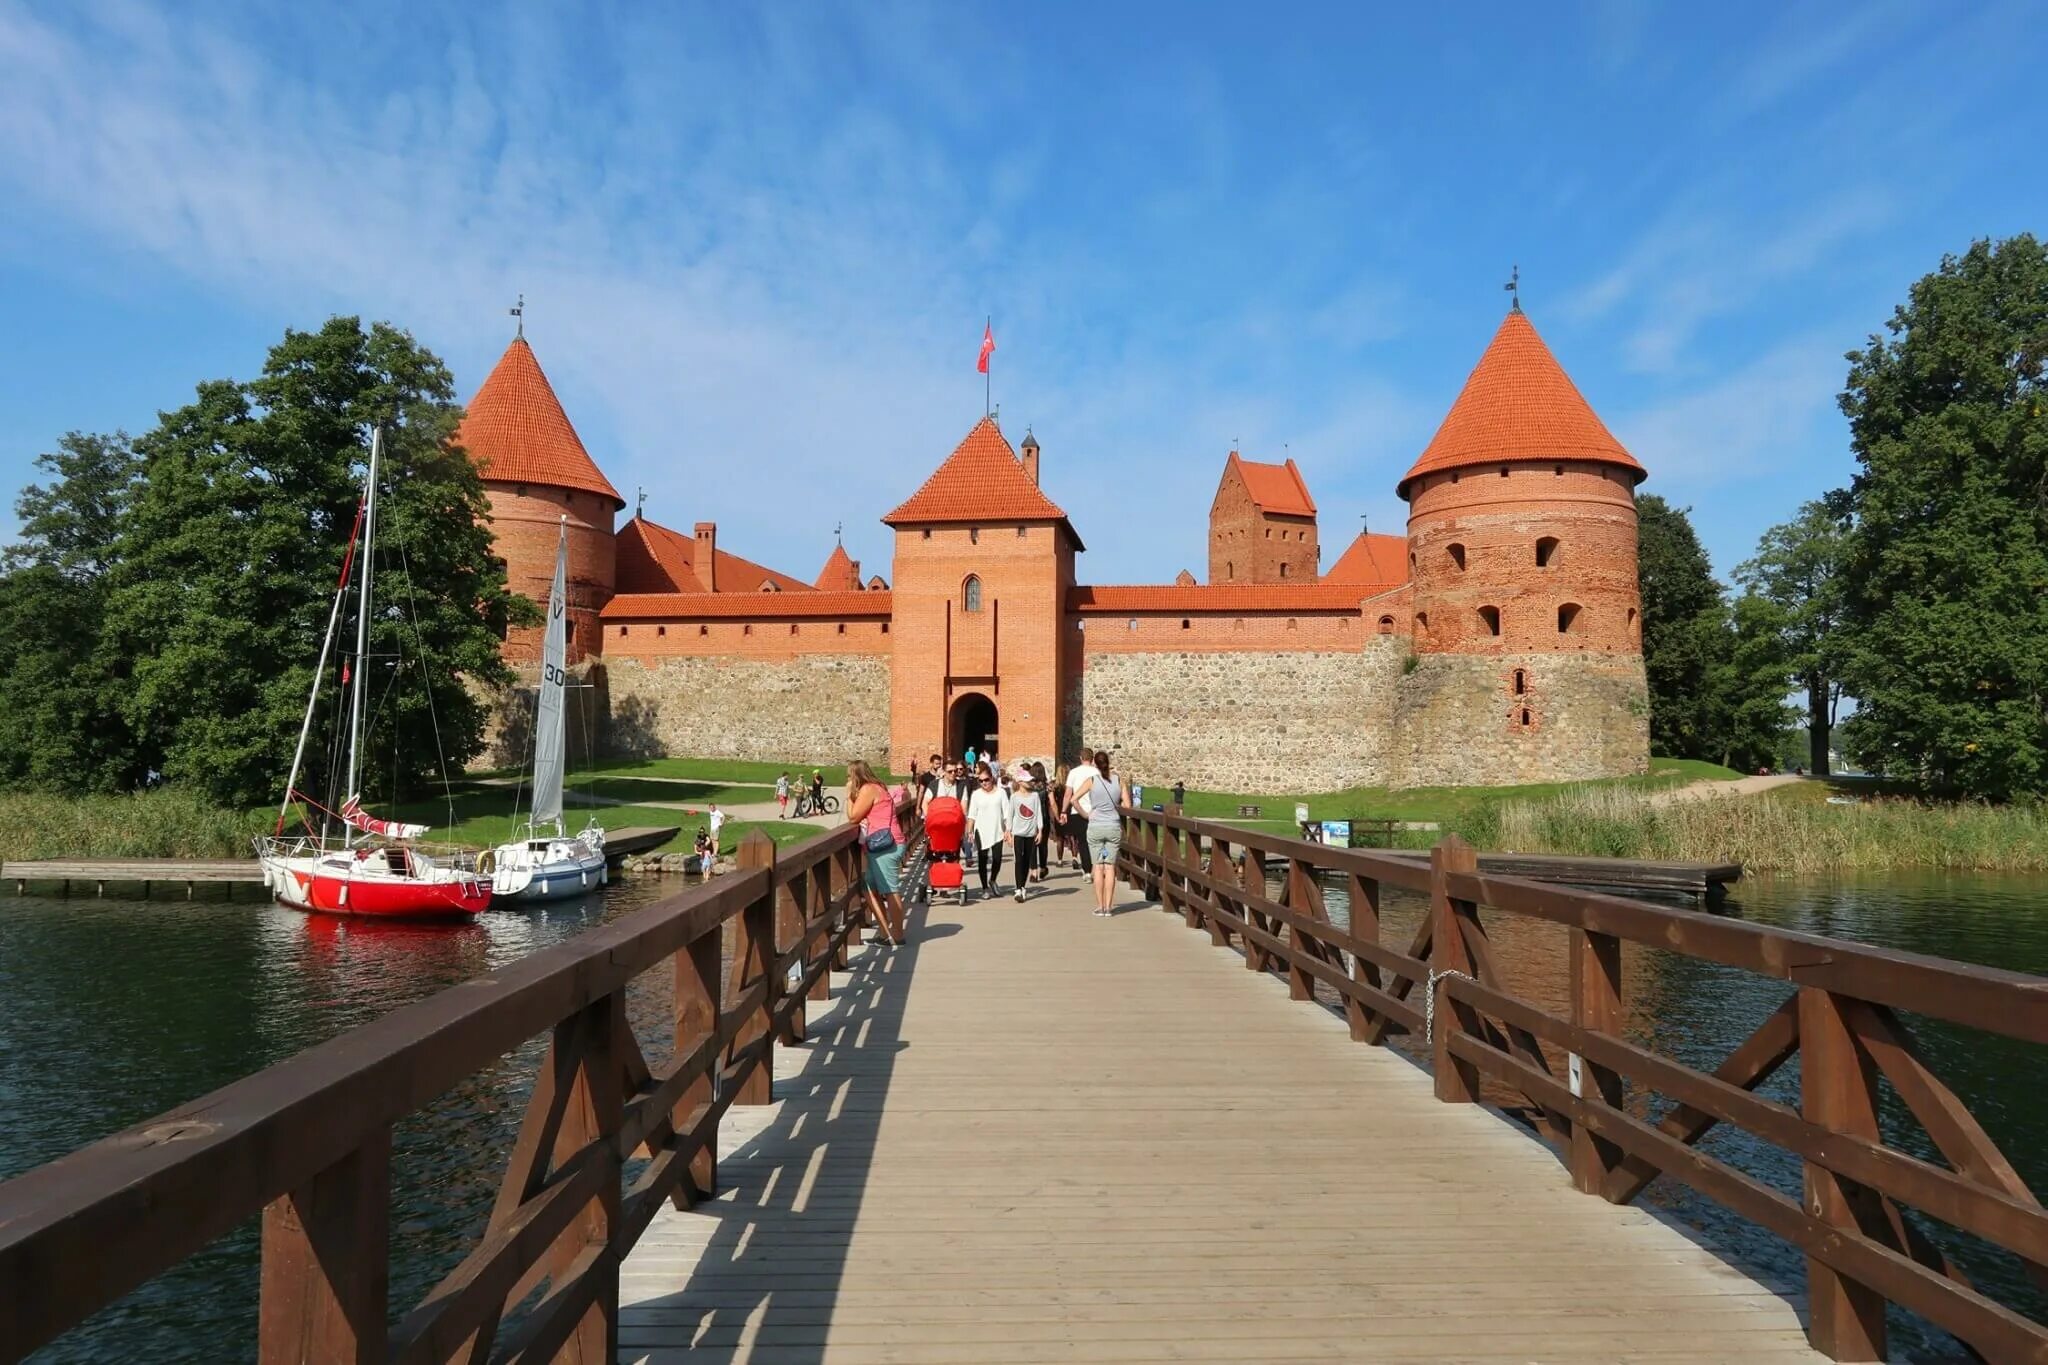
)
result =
(1104, 843)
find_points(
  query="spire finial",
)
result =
(640, 503)
(839, 533)
(1364, 524)
(1514, 288)
(518, 310)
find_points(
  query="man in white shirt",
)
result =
(717, 822)
(1080, 778)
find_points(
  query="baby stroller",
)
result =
(945, 825)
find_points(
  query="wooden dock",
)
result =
(1035, 1135)
(190, 873)
(1620, 876)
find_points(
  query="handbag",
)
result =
(881, 841)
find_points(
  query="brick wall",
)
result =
(766, 637)
(1155, 632)
(808, 708)
(1463, 720)
(1580, 517)
(525, 524)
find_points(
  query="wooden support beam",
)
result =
(698, 981)
(1596, 1007)
(753, 959)
(1838, 1091)
(1457, 1080)
(325, 1264)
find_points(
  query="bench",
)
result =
(1247, 812)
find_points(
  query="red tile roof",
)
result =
(1519, 404)
(840, 574)
(1371, 559)
(516, 432)
(654, 559)
(778, 606)
(980, 481)
(1275, 488)
(1232, 597)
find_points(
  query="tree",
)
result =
(1748, 681)
(1945, 618)
(1683, 632)
(227, 558)
(54, 728)
(1798, 567)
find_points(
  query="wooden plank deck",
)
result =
(1034, 1135)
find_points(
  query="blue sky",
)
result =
(758, 242)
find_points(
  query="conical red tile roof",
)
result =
(1371, 559)
(839, 573)
(1519, 404)
(980, 481)
(516, 431)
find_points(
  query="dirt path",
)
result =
(1711, 787)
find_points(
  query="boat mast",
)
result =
(355, 715)
(320, 669)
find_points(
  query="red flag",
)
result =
(988, 347)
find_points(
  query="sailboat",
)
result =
(372, 867)
(543, 862)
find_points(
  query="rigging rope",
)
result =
(433, 715)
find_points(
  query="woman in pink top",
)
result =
(868, 806)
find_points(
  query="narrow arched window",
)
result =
(1386, 625)
(1230, 570)
(1568, 619)
(1490, 618)
(1422, 624)
(1631, 623)
(1546, 550)
(1457, 554)
(1525, 718)
(1521, 682)
(1283, 571)
(970, 594)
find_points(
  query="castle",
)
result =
(1499, 641)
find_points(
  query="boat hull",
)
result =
(565, 868)
(375, 888)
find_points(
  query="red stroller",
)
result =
(945, 825)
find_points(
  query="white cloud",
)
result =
(1746, 424)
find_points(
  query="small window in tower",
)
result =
(1457, 554)
(1183, 623)
(1020, 532)
(1568, 619)
(1521, 682)
(1131, 624)
(792, 627)
(1631, 623)
(1386, 625)
(885, 627)
(1559, 471)
(1411, 561)
(569, 633)
(747, 629)
(1525, 718)
(842, 628)
(622, 630)
(970, 594)
(703, 630)
(927, 533)
(1422, 624)
(1546, 548)
(1238, 624)
(1269, 533)
(661, 631)
(1292, 624)
(1503, 471)
(1283, 571)
(1454, 476)
(974, 535)
(1230, 570)
(1490, 618)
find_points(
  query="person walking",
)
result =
(782, 796)
(1045, 821)
(868, 806)
(969, 758)
(716, 822)
(1080, 780)
(1180, 793)
(1025, 808)
(988, 817)
(1105, 830)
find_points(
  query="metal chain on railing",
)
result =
(1429, 999)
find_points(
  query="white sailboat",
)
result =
(544, 862)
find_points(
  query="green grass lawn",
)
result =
(486, 816)
(1450, 807)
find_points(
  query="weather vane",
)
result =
(1364, 524)
(838, 531)
(640, 503)
(518, 310)
(1514, 288)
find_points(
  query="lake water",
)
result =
(114, 1010)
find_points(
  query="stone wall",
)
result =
(1298, 721)
(813, 707)
(1506, 719)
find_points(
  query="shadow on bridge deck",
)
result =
(1034, 1135)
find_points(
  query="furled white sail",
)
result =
(547, 720)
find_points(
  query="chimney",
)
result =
(853, 572)
(707, 555)
(1030, 456)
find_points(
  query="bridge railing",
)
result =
(307, 1143)
(1842, 1019)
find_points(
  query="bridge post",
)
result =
(1596, 1008)
(699, 978)
(823, 886)
(753, 959)
(1365, 925)
(1252, 877)
(792, 927)
(326, 1266)
(1838, 1092)
(1220, 873)
(1457, 1081)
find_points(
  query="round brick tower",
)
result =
(536, 472)
(1522, 555)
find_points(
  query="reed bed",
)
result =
(166, 823)
(1769, 832)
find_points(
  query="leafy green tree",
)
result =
(55, 732)
(1748, 682)
(1945, 619)
(1683, 634)
(227, 560)
(1798, 567)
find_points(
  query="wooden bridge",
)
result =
(1030, 1134)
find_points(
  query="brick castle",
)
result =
(1499, 641)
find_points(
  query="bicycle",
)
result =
(827, 805)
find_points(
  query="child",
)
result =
(782, 796)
